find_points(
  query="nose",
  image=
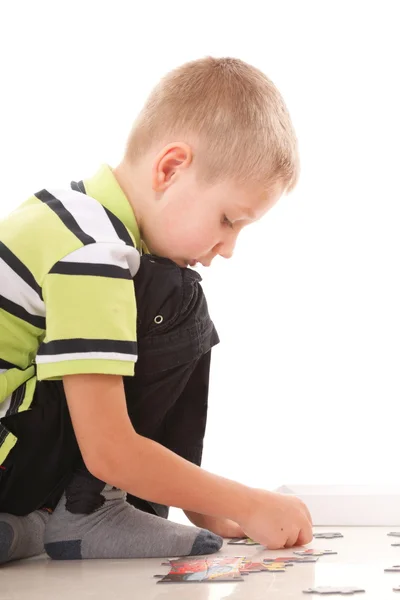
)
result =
(223, 254)
(226, 248)
(226, 253)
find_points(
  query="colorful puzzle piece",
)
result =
(243, 542)
(333, 590)
(203, 570)
(282, 559)
(294, 559)
(193, 560)
(312, 552)
(276, 567)
(327, 536)
(255, 567)
(395, 569)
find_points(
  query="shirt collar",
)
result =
(104, 187)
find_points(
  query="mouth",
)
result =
(193, 263)
(189, 263)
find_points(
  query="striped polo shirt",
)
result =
(67, 301)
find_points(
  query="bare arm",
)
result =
(221, 526)
(116, 454)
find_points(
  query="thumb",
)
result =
(237, 531)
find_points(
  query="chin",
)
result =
(181, 263)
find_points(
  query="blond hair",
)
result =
(232, 115)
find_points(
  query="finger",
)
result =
(235, 531)
(275, 546)
(308, 515)
(305, 537)
(279, 541)
(292, 539)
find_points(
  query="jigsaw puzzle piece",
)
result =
(313, 552)
(333, 590)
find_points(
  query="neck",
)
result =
(130, 182)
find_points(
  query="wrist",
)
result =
(242, 503)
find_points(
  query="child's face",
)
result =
(192, 222)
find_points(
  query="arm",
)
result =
(116, 454)
(184, 432)
(220, 526)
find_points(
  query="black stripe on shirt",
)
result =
(17, 399)
(118, 225)
(19, 268)
(20, 312)
(120, 228)
(96, 270)
(87, 345)
(4, 364)
(13, 402)
(66, 217)
(3, 434)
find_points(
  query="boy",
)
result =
(94, 288)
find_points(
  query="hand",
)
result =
(277, 520)
(223, 527)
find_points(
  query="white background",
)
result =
(305, 383)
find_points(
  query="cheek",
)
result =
(188, 241)
(188, 232)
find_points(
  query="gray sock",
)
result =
(22, 537)
(118, 530)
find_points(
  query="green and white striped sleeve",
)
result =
(90, 313)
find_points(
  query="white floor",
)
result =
(363, 554)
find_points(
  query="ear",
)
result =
(169, 162)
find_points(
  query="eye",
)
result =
(226, 221)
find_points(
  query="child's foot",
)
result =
(22, 537)
(115, 529)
